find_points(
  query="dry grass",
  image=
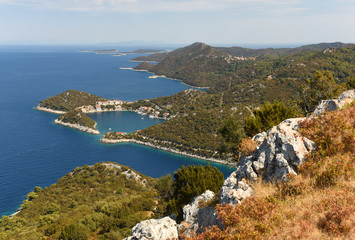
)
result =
(247, 146)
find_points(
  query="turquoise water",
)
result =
(36, 152)
(122, 121)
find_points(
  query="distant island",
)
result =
(116, 53)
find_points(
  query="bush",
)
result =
(269, 115)
(192, 181)
(247, 146)
(334, 221)
(74, 232)
(322, 86)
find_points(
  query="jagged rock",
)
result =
(234, 191)
(191, 210)
(155, 229)
(334, 104)
(197, 219)
(282, 149)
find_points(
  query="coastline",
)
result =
(78, 127)
(49, 110)
(163, 76)
(166, 149)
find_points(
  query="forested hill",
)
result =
(194, 64)
(278, 52)
(105, 200)
(248, 52)
(69, 100)
(205, 66)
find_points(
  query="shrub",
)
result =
(247, 146)
(335, 221)
(269, 115)
(192, 181)
(250, 220)
(74, 232)
(321, 86)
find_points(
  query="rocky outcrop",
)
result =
(334, 104)
(155, 229)
(282, 149)
(198, 216)
(234, 191)
(130, 174)
(78, 127)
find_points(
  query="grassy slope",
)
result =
(316, 204)
(101, 200)
(70, 100)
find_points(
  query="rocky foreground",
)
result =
(280, 151)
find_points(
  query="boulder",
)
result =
(155, 229)
(191, 210)
(197, 218)
(234, 191)
(334, 104)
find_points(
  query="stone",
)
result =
(196, 219)
(234, 191)
(334, 104)
(155, 229)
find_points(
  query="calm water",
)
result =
(36, 152)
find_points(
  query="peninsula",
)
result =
(73, 105)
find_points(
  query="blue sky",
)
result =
(177, 21)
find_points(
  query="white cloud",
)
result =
(157, 5)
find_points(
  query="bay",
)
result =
(36, 152)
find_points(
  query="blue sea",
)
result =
(36, 152)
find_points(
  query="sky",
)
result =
(176, 21)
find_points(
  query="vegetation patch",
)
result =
(69, 100)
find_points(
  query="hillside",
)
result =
(194, 64)
(155, 57)
(70, 100)
(278, 52)
(79, 118)
(318, 203)
(105, 200)
(195, 129)
(205, 66)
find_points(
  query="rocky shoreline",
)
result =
(49, 110)
(166, 149)
(78, 127)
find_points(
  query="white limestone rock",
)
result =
(197, 219)
(234, 191)
(334, 104)
(191, 210)
(282, 149)
(155, 229)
